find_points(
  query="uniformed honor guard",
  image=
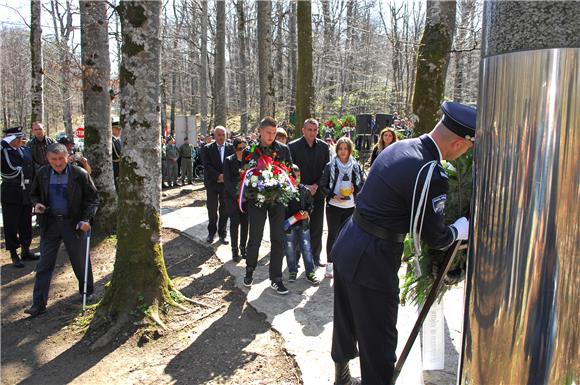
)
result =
(405, 192)
(117, 150)
(17, 173)
(185, 152)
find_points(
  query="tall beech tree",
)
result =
(97, 102)
(265, 71)
(36, 90)
(139, 277)
(432, 62)
(304, 86)
(220, 64)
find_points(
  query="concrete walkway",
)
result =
(304, 316)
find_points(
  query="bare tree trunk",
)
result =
(304, 86)
(203, 83)
(139, 276)
(243, 65)
(36, 94)
(220, 64)
(432, 63)
(194, 57)
(292, 57)
(97, 102)
(265, 71)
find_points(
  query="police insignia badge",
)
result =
(439, 203)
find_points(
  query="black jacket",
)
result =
(281, 150)
(232, 176)
(38, 149)
(311, 161)
(305, 202)
(212, 164)
(83, 200)
(328, 190)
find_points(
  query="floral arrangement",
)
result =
(337, 127)
(460, 186)
(265, 181)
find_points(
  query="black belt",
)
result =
(375, 230)
(58, 217)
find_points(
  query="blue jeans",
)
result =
(294, 237)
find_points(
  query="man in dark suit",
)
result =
(213, 165)
(311, 155)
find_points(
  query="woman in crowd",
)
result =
(340, 182)
(281, 135)
(238, 219)
(386, 138)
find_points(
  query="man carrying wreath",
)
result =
(267, 187)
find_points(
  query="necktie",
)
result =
(221, 149)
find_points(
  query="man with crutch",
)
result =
(67, 200)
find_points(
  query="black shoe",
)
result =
(210, 238)
(236, 257)
(318, 263)
(35, 310)
(16, 262)
(243, 252)
(342, 375)
(279, 287)
(27, 254)
(248, 279)
(224, 241)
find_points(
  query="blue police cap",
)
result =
(15, 131)
(460, 119)
(115, 123)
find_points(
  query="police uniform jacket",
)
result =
(117, 149)
(14, 159)
(83, 200)
(212, 163)
(385, 201)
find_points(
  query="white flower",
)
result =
(253, 179)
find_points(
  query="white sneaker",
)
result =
(328, 273)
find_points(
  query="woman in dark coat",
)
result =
(238, 219)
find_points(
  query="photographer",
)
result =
(75, 158)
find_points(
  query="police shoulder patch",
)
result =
(439, 203)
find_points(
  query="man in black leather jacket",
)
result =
(67, 199)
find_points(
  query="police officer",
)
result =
(405, 178)
(17, 173)
(117, 150)
(185, 152)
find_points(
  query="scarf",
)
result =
(344, 170)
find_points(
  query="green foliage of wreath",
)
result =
(415, 290)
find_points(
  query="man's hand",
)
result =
(312, 188)
(83, 226)
(462, 227)
(39, 208)
(220, 178)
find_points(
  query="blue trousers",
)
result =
(57, 231)
(297, 236)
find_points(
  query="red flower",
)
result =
(264, 162)
(277, 171)
(248, 157)
(256, 172)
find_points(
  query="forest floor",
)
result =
(221, 340)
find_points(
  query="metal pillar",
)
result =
(522, 306)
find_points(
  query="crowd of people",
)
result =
(366, 220)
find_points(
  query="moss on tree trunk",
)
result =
(432, 62)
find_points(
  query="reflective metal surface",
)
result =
(522, 309)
